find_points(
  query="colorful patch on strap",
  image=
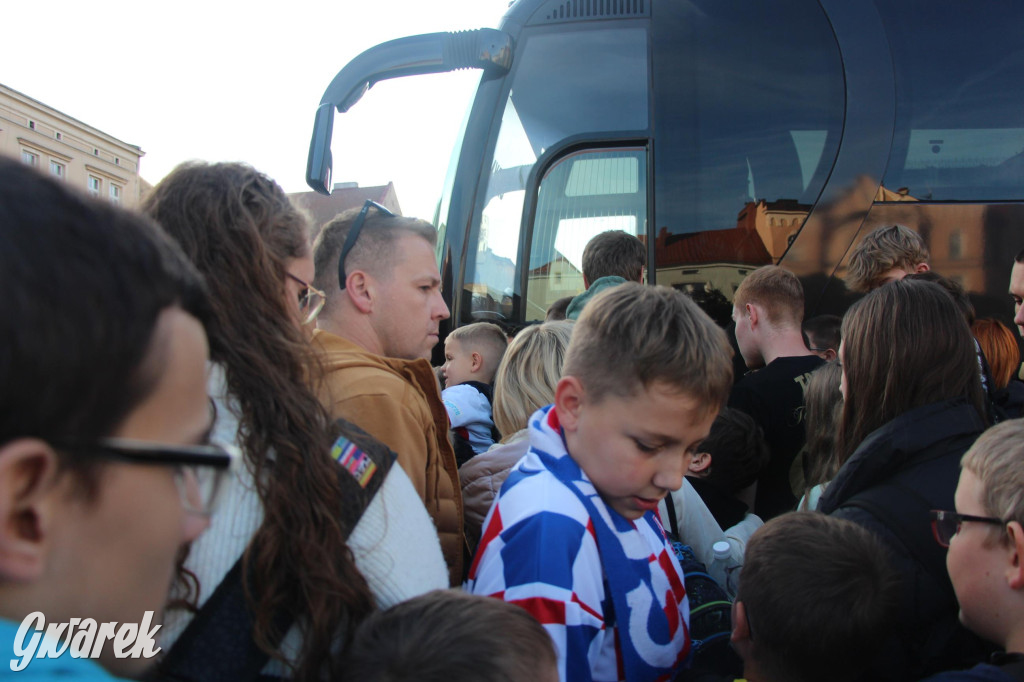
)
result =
(353, 460)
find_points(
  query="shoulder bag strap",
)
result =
(218, 643)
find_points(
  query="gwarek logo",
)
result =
(84, 637)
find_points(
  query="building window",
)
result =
(29, 158)
(57, 169)
(32, 125)
(956, 245)
(115, 193)
(117, 161)
(95, 152)
(59, 136)
(94, 185)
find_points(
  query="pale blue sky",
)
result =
(225, 80)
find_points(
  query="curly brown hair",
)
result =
(240, 230)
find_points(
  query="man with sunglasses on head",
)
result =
(104, 468)
(376, 332)
(985, 558)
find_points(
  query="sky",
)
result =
(225, 80)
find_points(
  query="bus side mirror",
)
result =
(486, 48)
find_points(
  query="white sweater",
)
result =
(395, 543)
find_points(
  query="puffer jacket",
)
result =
(895, 476)
(398, 402)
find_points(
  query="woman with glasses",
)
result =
(105, 466)
(913, 404)
(314, 563)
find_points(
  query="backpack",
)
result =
(711, 656)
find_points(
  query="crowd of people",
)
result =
(220, 421)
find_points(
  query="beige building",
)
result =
(71, 150)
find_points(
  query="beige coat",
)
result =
(399, 403)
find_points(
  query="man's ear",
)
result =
(700, 463)
(921, 267)
(28, 473)
(740, 636)
(1015, 568)
(360, 289)
(569, 400)
(829, 355)
(476, 361)
(753, 314)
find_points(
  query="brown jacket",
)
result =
(399, 403)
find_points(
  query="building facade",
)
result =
(75, 152)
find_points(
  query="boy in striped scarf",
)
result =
(573, 536)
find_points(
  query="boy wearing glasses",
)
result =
(985, 559)
(104, 474)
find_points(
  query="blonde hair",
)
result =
(885, 248)
(632, 336)
(485, 338)
(777, 291)
(527, 376)
(997, 459)
(823, 405)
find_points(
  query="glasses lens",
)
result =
(945, 526)
(314, 304)
(199, 487)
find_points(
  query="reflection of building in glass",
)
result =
(777, 222)
(713, 260)
(550, 282)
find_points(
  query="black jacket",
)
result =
(898, 473)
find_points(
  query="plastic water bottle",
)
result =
(723, 568)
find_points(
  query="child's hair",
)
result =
(823, 332)
(823, 404)
(449, 635)
(556, 311)
(885, 248)
(528, 374)
(905, 345)
(953, 288)
(614, 253)
(777, 291)
(997, 459)
(85, 284)
(485, 338)
(738, 450)
(1000, 348)
(632, 336)
(818, 593)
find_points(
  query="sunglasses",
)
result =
(946, 524)
(353, 235)
(198, 469)
(311, 300)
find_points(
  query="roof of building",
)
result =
(345, 196)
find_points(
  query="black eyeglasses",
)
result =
(198, 469)
(353, 235)
(946, 524)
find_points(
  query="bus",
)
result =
(726, 135)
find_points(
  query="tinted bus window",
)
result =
(958, 73)
(748, 110)
(563, 85)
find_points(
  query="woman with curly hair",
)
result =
(313, 563)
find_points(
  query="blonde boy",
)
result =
(471, 358)
(573, 537)
(889, 253)
(985, 559)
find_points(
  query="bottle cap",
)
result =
(722, 549)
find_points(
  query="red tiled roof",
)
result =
(323, 209)
(740, 245)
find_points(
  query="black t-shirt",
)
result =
(774, 397)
